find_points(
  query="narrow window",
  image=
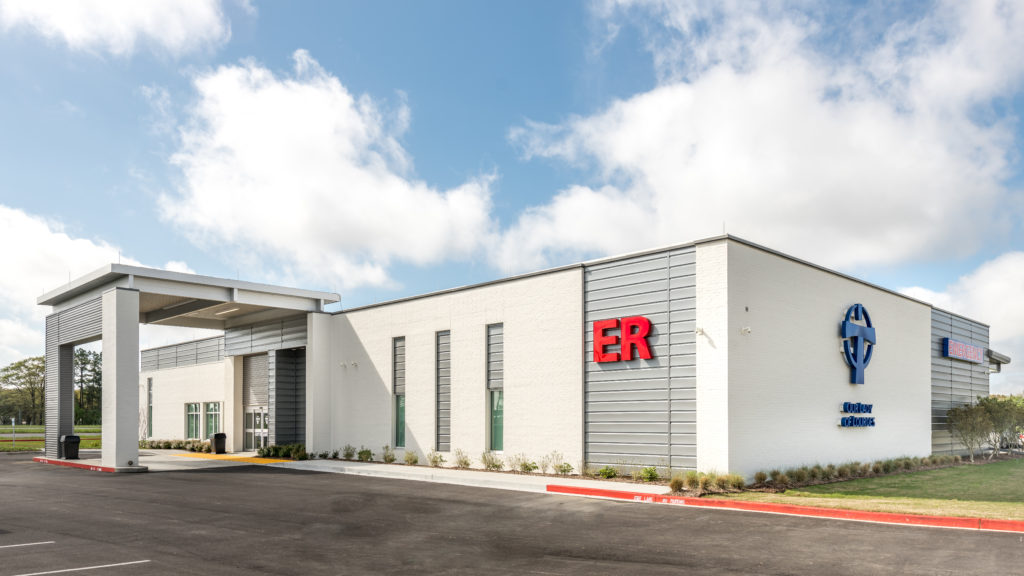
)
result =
(398, 381)
(212, 418)
(496, 384)
(444, 391)
(192, 421)
(149, 409)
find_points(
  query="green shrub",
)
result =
(800, 475)
(387, 454)
(877, 468)
(649, 474)
(760, 477)
(324, 455)
(736, 482)
(706, 481)
(348, 452)
(888, 466)
(462, 460)
(299, 452)
(774, 475)
(843, 472)
(783, 481)
(411, 457)
(435, 458)
(491, 461)
(334, 455)
(723, 482)
(365, 454)
(906, 463)
(556, 459)
(527, 466)
(692, 480)
(816, 472)
(957, 459)
(677, 483)
(608, 472)
(564, 469)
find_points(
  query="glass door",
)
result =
(257, 427)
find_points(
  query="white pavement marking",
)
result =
(84, 568)
(28, 544)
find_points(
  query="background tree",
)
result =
(88, 379)
(970, 424)
(26, 380)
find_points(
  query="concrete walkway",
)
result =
(477, 478)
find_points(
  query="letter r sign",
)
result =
(633, 331)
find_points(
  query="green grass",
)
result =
(993, 490)
(30, 446)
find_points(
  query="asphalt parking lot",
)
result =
(263, 520)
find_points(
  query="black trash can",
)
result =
(70, 445)
(218, 442)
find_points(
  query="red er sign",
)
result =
(633, 333)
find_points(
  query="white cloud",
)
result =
(891, 152)
(118, 27)
(296, 174)
(41, 257)
(992, 293)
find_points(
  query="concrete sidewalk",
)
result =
(476, 478)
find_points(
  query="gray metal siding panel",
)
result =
(954, 382)
(80, 323)
(287, 395)
(255, 379)
(266, 336)
(444, 391)
(632, 409)
(398, 365)
(496, 357)
(196, 352)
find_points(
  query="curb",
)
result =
(795, 510)
(84, 466)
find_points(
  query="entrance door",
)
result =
(257, 427)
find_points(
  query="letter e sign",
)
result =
(633, 336)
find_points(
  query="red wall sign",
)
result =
(633, 332)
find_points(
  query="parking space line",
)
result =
(84, 568)
(28, 544)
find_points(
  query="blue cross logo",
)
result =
(858, 341)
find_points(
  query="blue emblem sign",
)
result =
(858, 341)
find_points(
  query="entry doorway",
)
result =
(257, 427)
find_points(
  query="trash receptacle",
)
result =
(218, 442)
(70, 444)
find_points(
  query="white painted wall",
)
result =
(712, 356)
(175, 387)
(788, 379)
(542, 317)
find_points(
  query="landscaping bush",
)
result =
(324, 455)
(435, 458)
(557, 459)
(783, 481)
(491, 461)
(387, 454)
(774, 475)
(411, 457)
(800, 475)
(736, 482)
(649, 474)
(843, 472)
(723, 482)
(705, 482)
(299, 452)
(348, 452)
(564, 469)
(334, 455)
(760, 477)
(462, 460)
(677, 483)
(692, 480)
(608, 472)
(816, 472)
(365, 454)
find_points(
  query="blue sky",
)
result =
(387, 149)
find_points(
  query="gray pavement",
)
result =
(285, 520)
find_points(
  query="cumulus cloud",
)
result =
(894, 151)
(118, 27)
(992, 293)
(43, 256)
(295, 174)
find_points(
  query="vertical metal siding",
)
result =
(63, 330)
(398, 365)
(255, 379)
(643, 412)
(954, 382)
(496, 357)
(287, 376)
(444, 391)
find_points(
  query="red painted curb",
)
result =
(73, 464)
(795, 510)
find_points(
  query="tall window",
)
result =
(149, 410)
(496, 384)
(444, 391)
(398, 382)
(193, 421)
(212, 418)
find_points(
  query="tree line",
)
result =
(23, 384)
(994, 421)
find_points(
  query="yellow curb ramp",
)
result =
(230, 458)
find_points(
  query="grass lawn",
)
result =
(30, 446)
(6, 429)
(993, 490)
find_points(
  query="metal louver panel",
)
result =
(444, 392)
(266, 336)
(192, 353)
(255, 380)
(398, 365)
(496, 357)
